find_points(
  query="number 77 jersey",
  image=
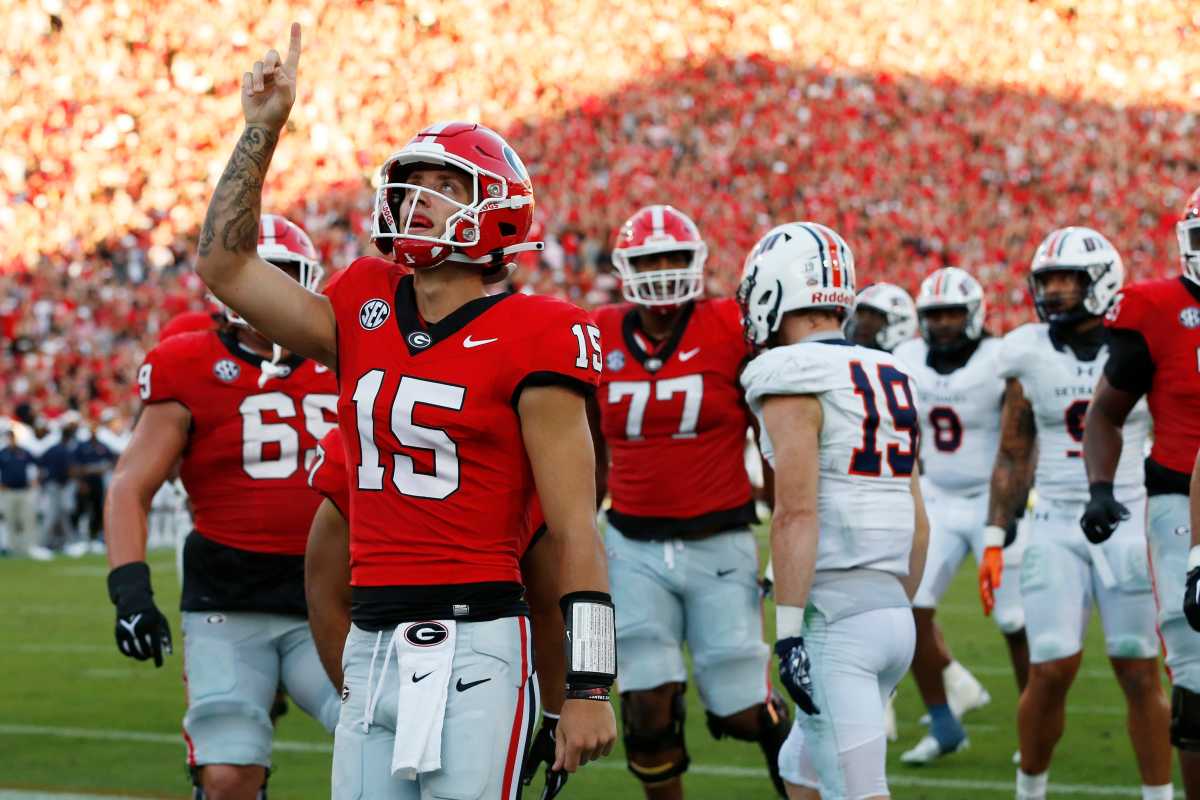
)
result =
(867, 447)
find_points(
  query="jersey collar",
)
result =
(419, 337)
(229, 339)
(652, 362)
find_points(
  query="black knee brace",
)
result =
(1185, 719)
(198, 789)
(773, 724)
(642, 748)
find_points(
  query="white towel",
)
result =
(424, 673)
(1104, 570)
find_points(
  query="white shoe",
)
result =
(75, 549)
(1017, 757)
(928, 750)
(889, 719)
(964, 693)
(97, 548)
(39, 553)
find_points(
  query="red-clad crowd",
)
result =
(957, 133)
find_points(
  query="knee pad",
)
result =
(1185, 719)
(770, 731)
(643, 747)
(198, 789)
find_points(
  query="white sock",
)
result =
(1164, 792)
(1031, 787)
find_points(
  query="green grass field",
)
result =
(75, 716)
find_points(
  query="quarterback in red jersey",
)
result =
(243, 418)
(671, 442)
(455, 405)
(1155, 342)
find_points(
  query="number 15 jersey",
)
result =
(867, 447)
(440, 483)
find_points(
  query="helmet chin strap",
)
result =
(273, 369)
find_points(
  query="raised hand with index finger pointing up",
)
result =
(269, 91)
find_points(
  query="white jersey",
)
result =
(1059, 386)
(867, 452)
(960, 416)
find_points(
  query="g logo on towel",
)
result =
(426, 634)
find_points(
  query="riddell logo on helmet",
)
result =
(833, 297)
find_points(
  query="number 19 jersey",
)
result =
(867, 448)
(960, 416)
(1059, 386)
(440, 482)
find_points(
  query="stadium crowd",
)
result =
(922, 147)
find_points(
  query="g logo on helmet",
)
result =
(426, 634)
(374, 313)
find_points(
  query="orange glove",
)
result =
(991, 567)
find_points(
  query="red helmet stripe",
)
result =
(835, 258)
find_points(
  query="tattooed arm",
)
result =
(1013, 473)
(278, 307)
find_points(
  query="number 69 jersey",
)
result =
(960, 415)
(440, 482)
(868, 446)
(247, 455)
(1059, 386)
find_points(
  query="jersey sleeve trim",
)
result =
(548, 378)
(1130, 367)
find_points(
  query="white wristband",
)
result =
(789, 621)
(994, 536)
(1193, 558)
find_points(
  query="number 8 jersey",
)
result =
(1059, 386)
(868, 446)
(249, 446)
(440, 483)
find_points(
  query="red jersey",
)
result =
(244, 466)
(1166, 313)
(327, 475)
(441, 484)
(675, 422)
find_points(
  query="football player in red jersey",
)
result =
(245, 418)
(454, 406)
(1155, 340)
(327, 585)
(683, 561)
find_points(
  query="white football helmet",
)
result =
(1078, 249)
(897, 308)
(1187, 230)
(797, 265)
(951, 287)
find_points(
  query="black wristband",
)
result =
(598, 693)
(591, 652)
(1101, 489)
(564, 603)
(129, 585)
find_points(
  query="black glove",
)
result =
(794, 669)
(1191, 603)
(541, 751)
(142, 630)
(1103, 513)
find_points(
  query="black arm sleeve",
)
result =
(1129, 366)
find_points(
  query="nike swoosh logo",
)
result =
(423, 677)
(687, 356)
(462, 687)
(469, 342)
(721, 573)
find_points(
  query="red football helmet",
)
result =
(486, 230)
(660, 229)
(284, 243)
(1188, 231)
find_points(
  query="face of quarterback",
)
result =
(1061, 290)
(430, 211)
(945, 325)
(868, 323)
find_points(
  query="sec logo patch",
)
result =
(615, 360)
(227, 370)
(374, 313)
(1190, 317)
